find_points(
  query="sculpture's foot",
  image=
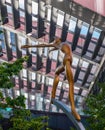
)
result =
(51, 102)
(52, 97)
(76, 115)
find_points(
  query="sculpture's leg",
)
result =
(70, 79)
(56, 80)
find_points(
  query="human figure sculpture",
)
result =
(66, 66)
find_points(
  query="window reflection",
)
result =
(75, 61)
(21, 4)
(24, 73)
(22, 40)
(96, 34)
(12, 38)
(84, 93)
(9, 9)
(84, 29)
(91, 46)
(81, 75)
(72, 24)
(8, 1)
(49, 13)
(85, 65)
(60, 18)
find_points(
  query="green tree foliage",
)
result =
(21, 119)
(7, 70)
(26, 122)
(96, 109)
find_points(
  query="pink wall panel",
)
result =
(95, 5)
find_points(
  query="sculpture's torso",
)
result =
(65, 48)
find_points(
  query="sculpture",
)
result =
(66, 66)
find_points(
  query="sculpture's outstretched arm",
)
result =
(55, 45)
(38, 46)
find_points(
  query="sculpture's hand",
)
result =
(25, 46)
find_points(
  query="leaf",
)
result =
(96, 109)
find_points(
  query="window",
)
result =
(91, 47)
(33, 76)
(96, 34)
(75, 61)
(8, 1)
(60, 18)
(22, 40)
(72, 24)
(24, 73)
(34, 8)
(9, 9)
(49, 13)
(85, 65)
(84, 29)
(12, 38)
(81, 75)
(55, 55)
(21, 4)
